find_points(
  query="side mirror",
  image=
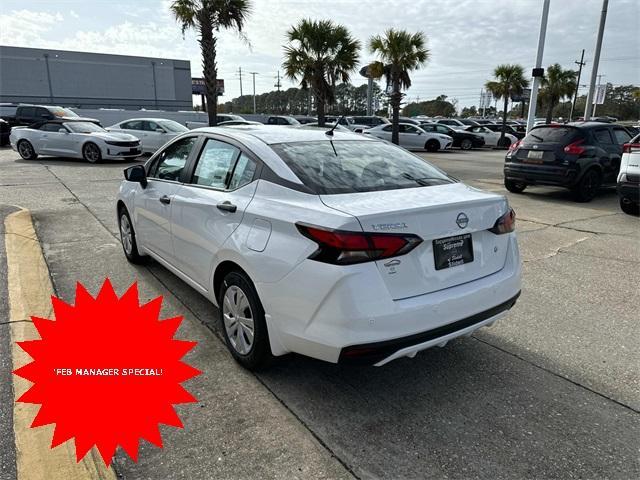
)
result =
(137, 174)
(160, 130)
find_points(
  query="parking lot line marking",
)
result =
(30, 291)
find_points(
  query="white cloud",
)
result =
(74, 14)
(20, 27)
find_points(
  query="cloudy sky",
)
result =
(467, 38)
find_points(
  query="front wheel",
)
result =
(432, 146)
(588, 186)
(243, 325)
(26, 150)
(91, 153)
(514, 186)
(466, 144)
(128, 238)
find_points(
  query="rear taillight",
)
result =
(626, 148)
(505, 224)
(575, 148)
(345, 248)
(514, 146)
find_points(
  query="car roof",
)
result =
(146, 119)
(587, 124)
(273, 134)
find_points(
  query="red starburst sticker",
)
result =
(106, 372)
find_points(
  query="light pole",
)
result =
(538, 71)
(253, 74)
(596, 60)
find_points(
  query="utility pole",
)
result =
(581, 63)
(240, 75)
(538, 71)
(278, 84)
(596, 59)
(595, 99)
(254, 89)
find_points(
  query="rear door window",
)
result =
(603, 136)
(28, 112)
(243, 172)
(133, 125)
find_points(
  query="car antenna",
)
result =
(330, 132)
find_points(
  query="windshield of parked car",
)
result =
(173, 126)
(83, 127)
(62, 112)
(348, 166)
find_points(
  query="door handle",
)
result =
(164, 199)
(227, 207)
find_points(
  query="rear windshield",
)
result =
(551, 134)
(357, 166)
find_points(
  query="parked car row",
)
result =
(580, 156)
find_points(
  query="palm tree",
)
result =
(320, 53)
(400, 53)
(509, 81)
(207, 17)
(556, 85)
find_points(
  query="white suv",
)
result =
(339, 247)
(629, 177)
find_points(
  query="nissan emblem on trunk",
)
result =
(462, 220)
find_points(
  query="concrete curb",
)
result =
(30, 291)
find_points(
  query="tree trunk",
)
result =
(320, 103)
(395, 109)
(504, 120)
(210, 71)
(550, 110)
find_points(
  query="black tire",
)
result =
(432, 146)
(630, 208)
(504, 143)
(91, 152)
(130, 248)
(258, 356)
(466, 144)
(514, 186)
(588, 186)
(26, 150)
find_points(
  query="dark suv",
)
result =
(580, 156)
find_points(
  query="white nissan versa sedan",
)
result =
(339, 247)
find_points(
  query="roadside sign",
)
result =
(523, 97)
(198, 86)
(600, 94)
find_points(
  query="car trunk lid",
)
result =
(437, 214)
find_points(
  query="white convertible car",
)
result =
(73, 139)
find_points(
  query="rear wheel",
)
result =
(588, 186)
(504, 143)
(514, 186)
(243, 325)
(91, 153)
(26, 150)
(432, 146)
(466, 144)
(629, 208)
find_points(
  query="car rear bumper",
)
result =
(629, 191)
(542, 174)
(324, 311)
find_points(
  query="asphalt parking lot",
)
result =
(552, 390)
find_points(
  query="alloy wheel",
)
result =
(238, 319)
(125, 234)
(25, 149)
(91, 153)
